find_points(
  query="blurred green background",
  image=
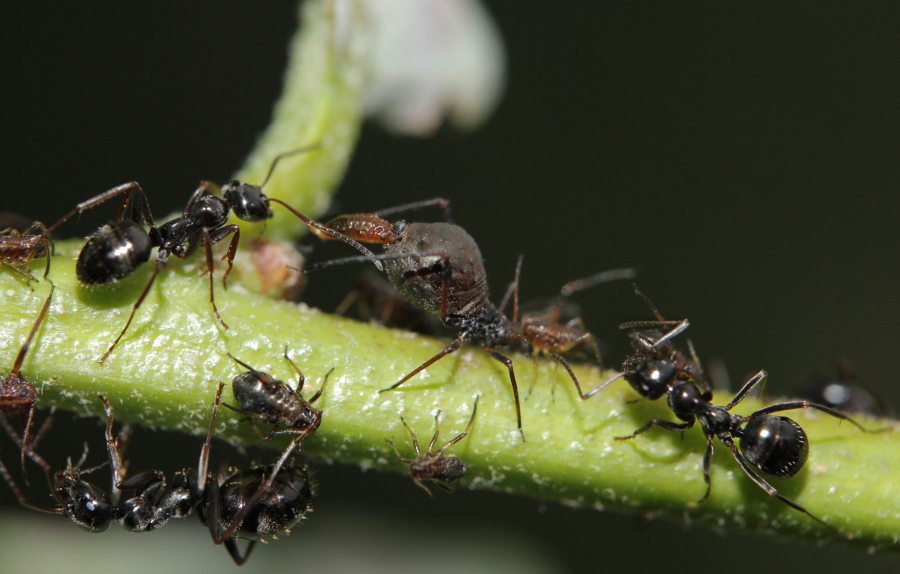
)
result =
(745, 158)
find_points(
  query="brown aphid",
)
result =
(432, 465)
(439, 268)
(548, 336)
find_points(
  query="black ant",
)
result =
(118, 248)
(18, 395)
(778, 446)
(19, 248)
(254, 504)
(438, 267)
(263, 397)
(432, 465)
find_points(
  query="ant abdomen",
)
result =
(422, 278)
(112, 252)
(83, 503)
(282, 507)
(778, 446)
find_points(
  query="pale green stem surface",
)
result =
(164, 375)
(164, 372)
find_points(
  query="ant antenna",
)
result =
(310, 147)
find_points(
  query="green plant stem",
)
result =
(164, 375)
(165, 371)
(321, 103)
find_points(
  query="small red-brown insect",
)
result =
(432, 465)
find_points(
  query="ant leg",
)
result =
(115, 455)
(658, 423)
(235, 552)
(512, 381)
(461, 435)
(707, 463)
(771, 491)
(203, 464)
(748, 386)
(209, 265)
(449, 349)
(808, 405)
(218, 235)
(126, 188)
(160, 265)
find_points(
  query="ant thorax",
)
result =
(421, 275)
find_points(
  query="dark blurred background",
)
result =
(745, 158)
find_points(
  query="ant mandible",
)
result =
(432, 465)
(438, 267)
(118, 248)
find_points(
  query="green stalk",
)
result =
(164, 372)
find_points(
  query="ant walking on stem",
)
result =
(776, 445)
(118, 248)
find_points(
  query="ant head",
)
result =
(247, 201)
(83, 503)
(650, 376)
(686, 400)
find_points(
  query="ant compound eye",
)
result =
(247, 201)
